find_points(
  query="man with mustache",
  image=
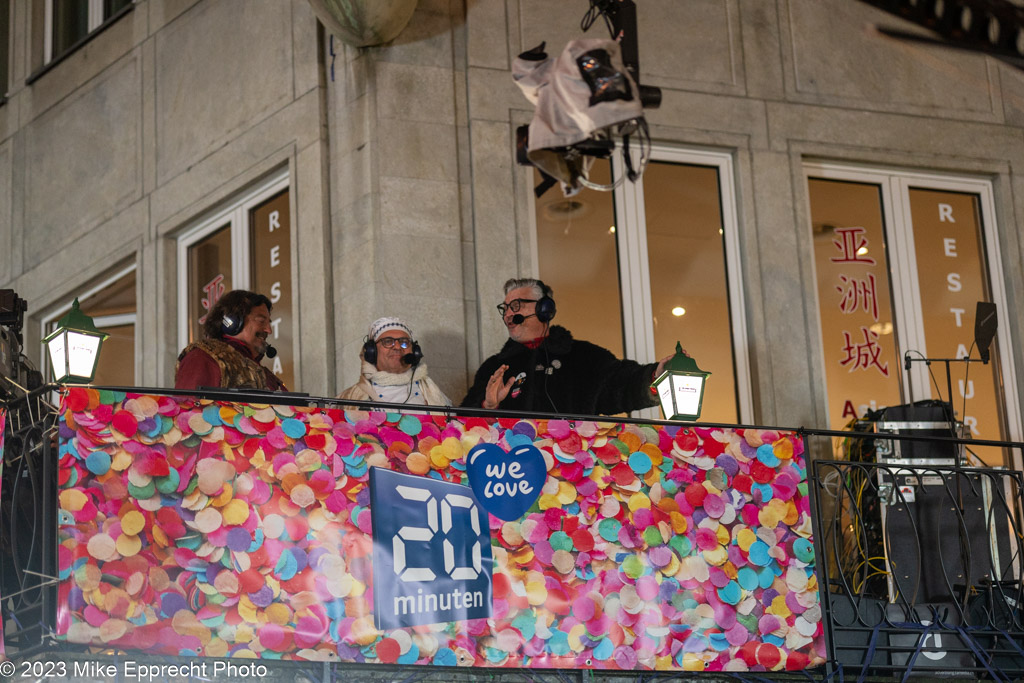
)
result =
(236, 331)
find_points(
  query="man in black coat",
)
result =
(542, 368)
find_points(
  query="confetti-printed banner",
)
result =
(196, 527)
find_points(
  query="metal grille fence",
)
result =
(920, 565)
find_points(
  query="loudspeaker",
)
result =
(936, 550)
(545, 309)
(412, 358)
(985, 324)
(230, 325)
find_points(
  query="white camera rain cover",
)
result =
(569, 109)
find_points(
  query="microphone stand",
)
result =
(957, 463)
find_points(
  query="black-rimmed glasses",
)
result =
(514, 305)
(388, 342)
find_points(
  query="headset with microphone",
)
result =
(232, 326)
(412, 358)
(544, 310)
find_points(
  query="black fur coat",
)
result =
(568, 376)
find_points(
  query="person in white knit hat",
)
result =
(393, 370)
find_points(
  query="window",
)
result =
(68, 22)
(246, 245)
(653, 263)
(5, 35)
(111, 305)
(901, 260)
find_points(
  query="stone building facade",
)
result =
(403, 196)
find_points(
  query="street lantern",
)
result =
(680, 387)
(74, 347)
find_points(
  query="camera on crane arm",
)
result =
(587, 100)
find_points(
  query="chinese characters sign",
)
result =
(221, 529)
(856, 293)
(861, 365)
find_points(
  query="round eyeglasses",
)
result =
(389, 342)
(514, 305)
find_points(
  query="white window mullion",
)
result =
(240, 261)
(906, 291)
(634, 279)
(47, 31)
(95, 14)
(634, 274)
(737, 303)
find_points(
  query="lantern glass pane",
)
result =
(687, 391)
(57, 361)
(665, 398)
(82, 349)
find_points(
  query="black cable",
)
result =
(597, 9)
(547, 366)
(412, 379)
(931, 372)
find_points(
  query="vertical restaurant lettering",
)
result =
(954, 284)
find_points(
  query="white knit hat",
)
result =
(382, 325)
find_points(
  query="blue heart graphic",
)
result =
(506, 484)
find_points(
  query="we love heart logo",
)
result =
(506, 484)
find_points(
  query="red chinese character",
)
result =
(851, 241)
(865, 355)
(214, 290)
(858, 293)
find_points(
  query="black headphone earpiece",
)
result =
(545, 309)
(231, 326)
(370, 351)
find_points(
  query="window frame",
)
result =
(634, 268)
(55, 314)
(894, 186)
(235, 214)
(5, 47)
(96, 22)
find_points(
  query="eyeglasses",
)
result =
(388, 342)
(514, 305)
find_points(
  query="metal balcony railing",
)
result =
(28, 524)
(920, 565)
